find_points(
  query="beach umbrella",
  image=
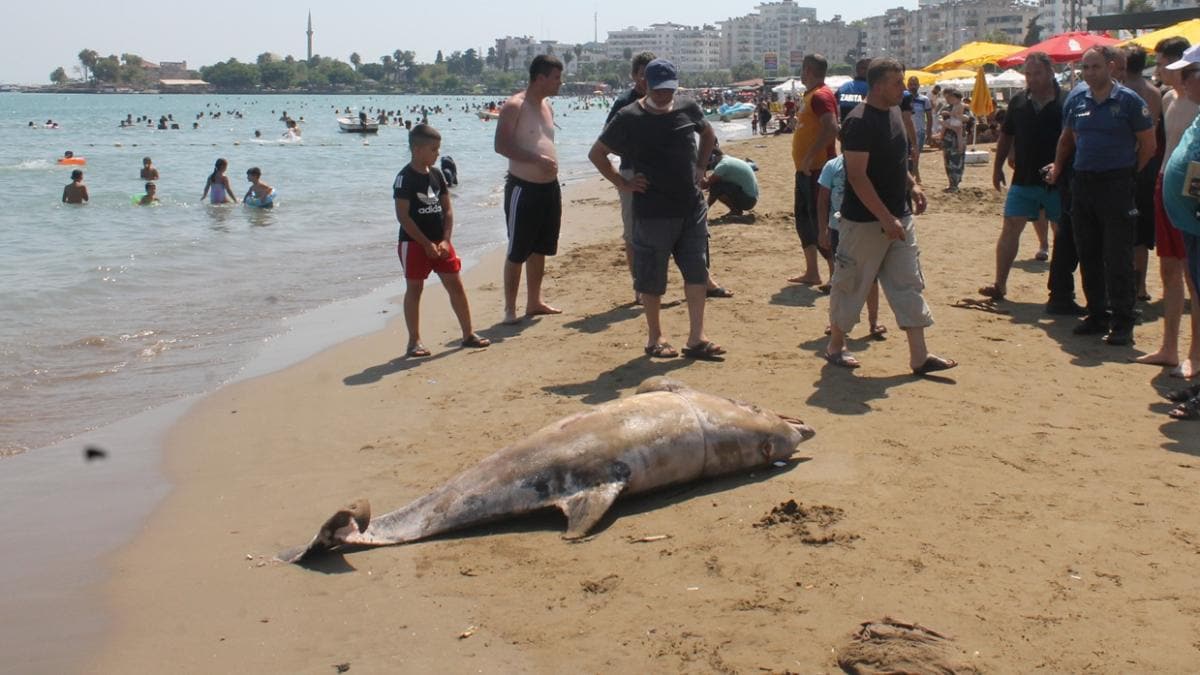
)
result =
(956, 74)
(1062, 48)
(982, 103)
(923, 78)
(973, 55)
(1189, 29)
(1009, 79)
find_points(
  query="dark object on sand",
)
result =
(92, 453)
(888, 646)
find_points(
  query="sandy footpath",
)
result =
(1036, 504)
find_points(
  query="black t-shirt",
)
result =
(881, 134)
(1034, 133)
(663, 148)
(424, 194)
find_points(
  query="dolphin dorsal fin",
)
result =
(585, 508)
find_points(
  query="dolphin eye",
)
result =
(765, 449)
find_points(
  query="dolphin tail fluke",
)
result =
(344, 527)
(584, 509)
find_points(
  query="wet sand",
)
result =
(1035, 504)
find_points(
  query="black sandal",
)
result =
(1183, 395)
(1188, 410)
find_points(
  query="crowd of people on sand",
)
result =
(1086, 162)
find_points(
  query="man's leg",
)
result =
(1118, 219)
(512, 283)
(696, 295)
(535, 270)
(1089, 243)
(1172, 272)
(1063, 260)
(861, 249)
(1041, 227)
(412, 313)
(652, 305)
(805, 212)
(902, 282)
(1006, 252)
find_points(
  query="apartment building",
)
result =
(693, 49)
(936, 28)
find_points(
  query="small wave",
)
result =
(12, 450)
(89, 341)
(33, 164)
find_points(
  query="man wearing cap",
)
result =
(1181, 191)
(658, 134)
(1109, 128)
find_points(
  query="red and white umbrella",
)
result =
(1064, 48)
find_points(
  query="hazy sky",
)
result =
(33, 43)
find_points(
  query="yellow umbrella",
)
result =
(956, 74)
(973, 55)
(982, 103)
(925, 79)
(1189, 29)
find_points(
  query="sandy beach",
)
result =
(1035, 504)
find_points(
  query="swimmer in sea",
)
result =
(75, 192)
(216, 188)
(258, 189)
(151, 196)
(148, 170)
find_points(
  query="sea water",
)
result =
(109, 309)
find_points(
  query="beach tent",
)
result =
(923, 78)
(1009, 79)
(792, 86)
(835, 81)
(973, 55)
(1189, 29)
(1062, 48)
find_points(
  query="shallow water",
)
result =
(110, 309)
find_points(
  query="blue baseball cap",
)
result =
(661, 74)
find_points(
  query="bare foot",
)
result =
(807, 280)
(511, 318)
(1186, 370)
(1158, 358)
(541, 310)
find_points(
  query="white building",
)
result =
(936, 28)
(693, 49)
(517, 52)
(774, 27)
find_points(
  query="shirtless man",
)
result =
(532, 200)
(75, 192)
(1135, 62)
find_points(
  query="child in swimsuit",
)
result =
(260, 194)
(216, 188)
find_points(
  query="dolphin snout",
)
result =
(806, 432)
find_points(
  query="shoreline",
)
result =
(927, 476)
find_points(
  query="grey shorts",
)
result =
(626, 208)
(656, 240)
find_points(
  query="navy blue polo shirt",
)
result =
(1105, 131)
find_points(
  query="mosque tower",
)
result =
(310, 36)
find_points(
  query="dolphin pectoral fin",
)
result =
(342, 527)
(660, 383)
(584, 509)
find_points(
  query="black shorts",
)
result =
(806, 207)
(533, 213)
(738, 199)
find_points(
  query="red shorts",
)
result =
(417, 265)
(1166, 236)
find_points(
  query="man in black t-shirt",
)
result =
(658, 135)
(637, 71)
(1030, 131)
(876, 235)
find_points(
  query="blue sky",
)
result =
(34, 43)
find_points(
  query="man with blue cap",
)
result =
(670, 219)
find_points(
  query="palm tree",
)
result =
(355, 59)
(387, 61)
(88, 58)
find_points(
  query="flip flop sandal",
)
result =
(990, 291)
(476, 342)
(662, 350)
(878, 332)
(1188, 410)
(719, 292)
(934, 364)
(418, 352)
(1183, 395)
(841, 360)
(705, 351)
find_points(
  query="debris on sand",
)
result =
(811, 524)
(890, 646)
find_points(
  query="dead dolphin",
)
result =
(665, 434)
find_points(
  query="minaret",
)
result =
(310, 36)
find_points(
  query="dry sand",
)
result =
(1036, 504)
